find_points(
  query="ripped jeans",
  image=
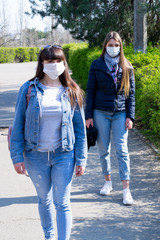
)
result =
(51, 174)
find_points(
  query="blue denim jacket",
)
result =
(25, 132)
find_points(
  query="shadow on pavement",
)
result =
(8, 98)
(114, 228)
(7, 107)
(109, 218)
(17, 200)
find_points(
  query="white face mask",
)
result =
(53, 70)
(113, 51)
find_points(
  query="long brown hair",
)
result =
(125, 64)
(56, 53)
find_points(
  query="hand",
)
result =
(79, 171)
(89, 122)
(20, 168)
(129, 123)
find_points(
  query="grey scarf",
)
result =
(112, 61)
(114, 65)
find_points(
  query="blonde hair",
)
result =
(125, 64)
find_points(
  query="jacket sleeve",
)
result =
(91, 89)
(80, 148)
(130, 101)
(17, 135)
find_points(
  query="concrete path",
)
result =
(95, 217)
(12, 76)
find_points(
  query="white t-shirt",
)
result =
(51, 119)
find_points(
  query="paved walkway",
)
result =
(12, 76)
(95, 217)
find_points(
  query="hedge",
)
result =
(7, 55)
(66, 49)
(21, 54)
(147, 77)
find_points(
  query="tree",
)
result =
(140, 26)
(21, 19)
(153, 20)
(5, 37)
(91, 20)
(34, 38)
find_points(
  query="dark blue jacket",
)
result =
(103, 94)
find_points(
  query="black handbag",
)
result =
(91, 136)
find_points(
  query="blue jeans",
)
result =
(107, 122)
(51, 174)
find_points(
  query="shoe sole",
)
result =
(128, 204)
(104, 194)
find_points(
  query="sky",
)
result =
(10, 11)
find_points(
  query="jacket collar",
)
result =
(102, 66)
(36, 82)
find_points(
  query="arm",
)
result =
(130, 101)
(17, 136)
(91, 89)
(80, 147)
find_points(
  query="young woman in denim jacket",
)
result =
(49, 138)
(110, 106)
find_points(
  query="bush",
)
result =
(80, 59)
(33, 52)
(22, 55)
(66, 48)
(10, 55)
(7, 55)
(147, 76)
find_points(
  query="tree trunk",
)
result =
(140, 26)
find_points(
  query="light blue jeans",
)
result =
(107, 123)
(51, 174)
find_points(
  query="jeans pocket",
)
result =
(28, 150)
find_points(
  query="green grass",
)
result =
(149, 134)
(152, 137)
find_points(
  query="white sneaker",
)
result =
(127, 198)
(106, 188)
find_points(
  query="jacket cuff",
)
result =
(131, 117)
(81, 163)
(17, 159)
(88, 115)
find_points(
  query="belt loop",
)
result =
(48, 156)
